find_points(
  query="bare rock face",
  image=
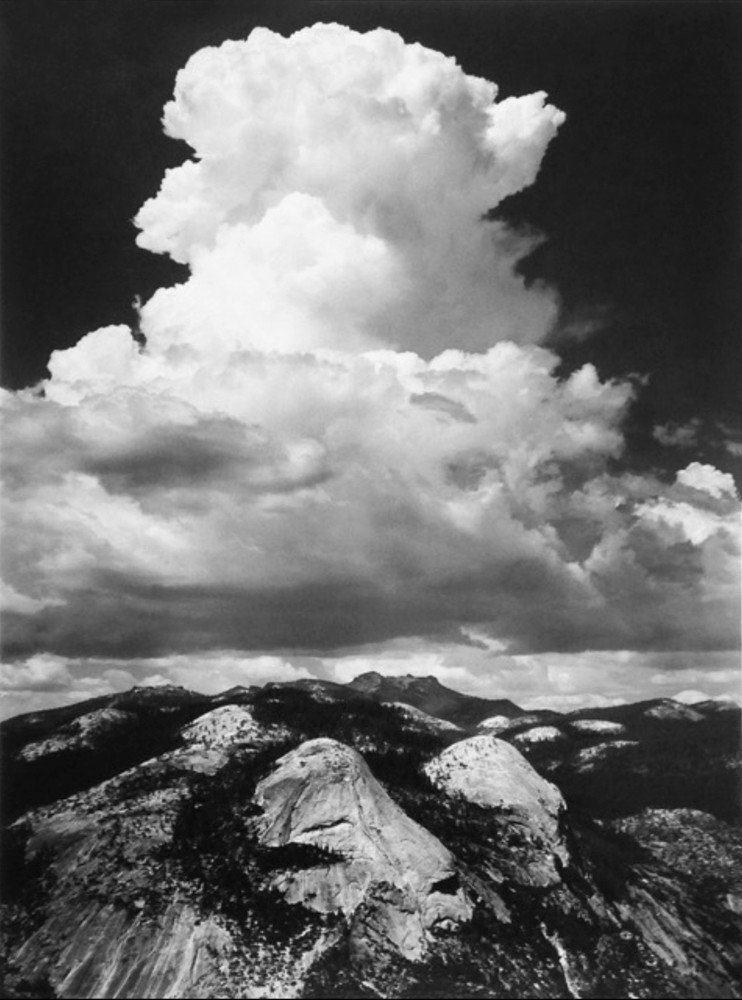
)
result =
(396, 876)
(597, 727)
(422, 720)
(223, 726)
(538, 734)
(675, 711)
(492, 773)
(192, 874)
(595, 756)
(84, 731)
(105, 952)
(208, 741)
(119, 919)
(497, 724)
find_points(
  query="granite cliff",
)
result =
(298, 841)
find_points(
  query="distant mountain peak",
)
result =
(428, 681)
(369, 682)
(372, 681)
(155, 694)
(146, 689)
(428, 694)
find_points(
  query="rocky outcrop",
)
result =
(496, 723)
(83, 732)
(673, 711)
(538, 734)
(428, 694)
(422, 720)
(704, 848)
(595, 756)
(208, 742)
(104, 951)
(223, 727)
(597, 727)
(397, 874)
(223, 866)
(716, 706)
(119, 918)
(490, 772)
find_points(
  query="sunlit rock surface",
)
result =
(673, 710)
(538, 734)
(323, 794)
(492, 773)
(594, 756)
(496, 724)
(221, 865)
(422, 720)
(597, 727)
(84, 731)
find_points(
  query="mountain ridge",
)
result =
(310, 840)
(429, 695)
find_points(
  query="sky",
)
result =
(371, 336)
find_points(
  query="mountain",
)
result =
(429, 695)
(656, 708)
(492, 774)
(427, 723)
(305, 841)
(655, 754)
(383, 865)
(46, 756)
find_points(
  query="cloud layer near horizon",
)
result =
(342, 429)
(560, 681)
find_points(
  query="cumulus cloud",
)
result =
(45, 680)
(337, 196)
(342, 429)
(220, 670)
(707, 479)
(39, 673)
(674, 435)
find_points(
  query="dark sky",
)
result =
(639, 195)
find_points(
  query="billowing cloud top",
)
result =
(335, 198)
(342, 429)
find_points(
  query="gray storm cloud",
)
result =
(342, 429)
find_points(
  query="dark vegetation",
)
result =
(28, 784)
(27, 885)
(15, 986)
(677, 765)
(215, 855)
(351, 721)
(37, 725)
(215, 848)
(214, 845)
